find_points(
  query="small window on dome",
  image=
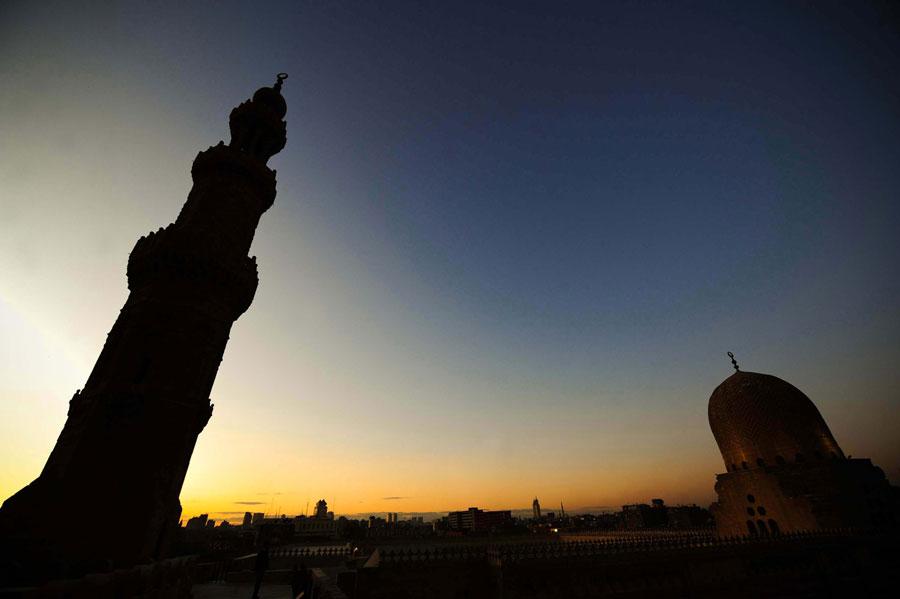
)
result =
(760, 462)
(761, 510)
(779, 460)
(751, 498)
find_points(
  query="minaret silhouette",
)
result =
(109, 491)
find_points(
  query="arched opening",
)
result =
(763, 530)
(751, 529)
(773, 526)
(761, 510)
(751, 498)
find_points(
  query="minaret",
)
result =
(536, 509)
(109, 491)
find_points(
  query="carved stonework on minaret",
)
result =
(109, 491)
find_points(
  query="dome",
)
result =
(258, 127)
(759, 419)
(272, 99)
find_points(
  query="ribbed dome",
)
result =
(760, 419)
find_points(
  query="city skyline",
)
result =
(474, 289)
(237, 516)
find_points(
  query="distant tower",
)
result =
(126, 445)
(321, 509)
(562, 510)
(784, 470)
(536, 508)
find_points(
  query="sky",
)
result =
(511, 243)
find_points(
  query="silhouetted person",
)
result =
(300, 582)
(262, 564)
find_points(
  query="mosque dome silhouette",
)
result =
(257, 127)
(760, 420)
(271, 99)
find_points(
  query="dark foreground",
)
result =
(822, 564)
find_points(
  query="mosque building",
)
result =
(785, 471)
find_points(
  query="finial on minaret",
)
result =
(279, 80)
(734, 362)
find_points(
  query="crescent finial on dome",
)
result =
(734, 362)
(279, 81)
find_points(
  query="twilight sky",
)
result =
(510, 247)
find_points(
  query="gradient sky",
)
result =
(510, 247)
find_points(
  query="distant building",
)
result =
(258, 518)
(536, 509)
(784, 469)
(248, 520)
(305, 527)
(210, 523)
(640, 515)
(476, 520)
(197, 522)
(275, 531)
(321, 509)
(688, 516)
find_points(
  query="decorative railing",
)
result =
(219, 570)
(568, 549)
(309, 552)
